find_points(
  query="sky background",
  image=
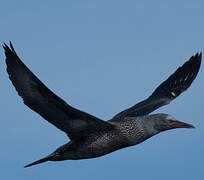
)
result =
(102, 57)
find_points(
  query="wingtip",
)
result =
(199, 58)
(11, 46)
(4, 45)
(8, 49)
(198, 55)
(195, 60)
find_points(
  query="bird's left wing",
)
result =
(39, 98)
(167, 91)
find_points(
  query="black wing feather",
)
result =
(39, 98)
(177, 83)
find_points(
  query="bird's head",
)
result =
(166, 122)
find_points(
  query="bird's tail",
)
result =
(47, 158)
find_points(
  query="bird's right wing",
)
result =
(178, 82)
(39, 98)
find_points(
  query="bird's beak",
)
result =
(179, 124)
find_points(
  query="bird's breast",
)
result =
(132, 130)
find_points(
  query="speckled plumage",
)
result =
(91, 137)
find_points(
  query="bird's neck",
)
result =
(138, 129)
(149, 125)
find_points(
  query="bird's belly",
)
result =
(98, 146)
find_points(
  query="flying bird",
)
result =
(90, 136)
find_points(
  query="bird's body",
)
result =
(122, 134)
(91, 137)
(128, 132)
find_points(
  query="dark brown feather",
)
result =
(43, 101)
(177, 83)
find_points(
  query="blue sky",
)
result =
(102, 57)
